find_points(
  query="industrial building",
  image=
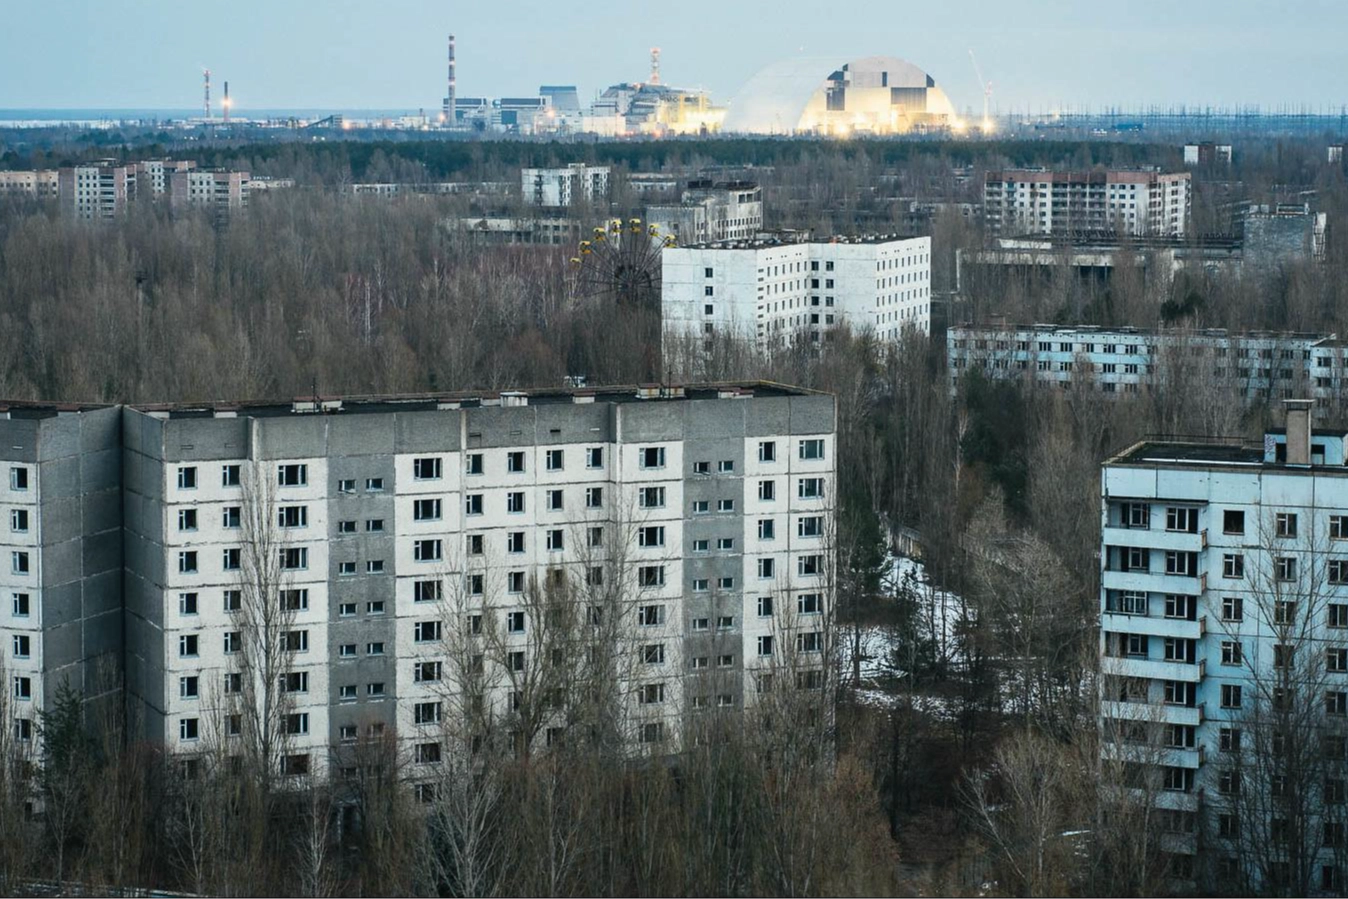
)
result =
(780, 291)
(697, 519)
(560, 188)
(1224, 652)
(1256, 366)
(1133, 202)
(711, 211)
(837, 96)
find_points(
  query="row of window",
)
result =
(292, 558)
(431, 468)
(1184, 606)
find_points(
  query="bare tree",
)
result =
(1033, 606)
(1022, 808)
(1281, 785)
(266, 614)
(18, 792)
(313, 840)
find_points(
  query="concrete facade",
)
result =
(711, 211)
(221, 191)
(154, 175)
(1218, 561)
(1256, 366)
(60, 556)
(779, 292)
(42, 184)
(563, 187)
(1207, 153)
(1142, 203)
(1273, 234)
(96, 192)
(707, 504)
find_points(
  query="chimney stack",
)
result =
(1298, 431)
(449, 112)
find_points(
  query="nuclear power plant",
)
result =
(808, 96)
(880, 95)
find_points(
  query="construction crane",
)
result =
(987, 93)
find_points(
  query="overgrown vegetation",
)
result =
(974, 769)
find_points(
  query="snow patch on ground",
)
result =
(939, 613)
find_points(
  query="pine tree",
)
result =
(66, 759)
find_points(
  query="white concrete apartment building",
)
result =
(711, 211)
(778, 292)
(562, 187)
(382, 527)
(1224, 653)
(1137, 202)
(1256, 366)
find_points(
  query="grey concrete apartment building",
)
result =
(394, 522)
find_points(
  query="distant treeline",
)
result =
(447, 158)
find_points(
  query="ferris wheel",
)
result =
(620, 264)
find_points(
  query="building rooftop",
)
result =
(1117, 240)
(1208, 452)
(1328, 340)
(1191, 450)
(1078, 175)
(431, 402)
(768, 241)
(20, 409)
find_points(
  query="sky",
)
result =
(390, 54)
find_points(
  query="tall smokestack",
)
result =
(206, 102)
(449, 111)
(225, 103)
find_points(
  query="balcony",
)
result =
(1153, 581)
(1187, 802)
(1154, 755)
(1180, 844)
(1156, 539)
(1147, 711)
(1118, 622)
(1151, 668)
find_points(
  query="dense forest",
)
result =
(968, 765)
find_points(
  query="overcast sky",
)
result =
(352, 54)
